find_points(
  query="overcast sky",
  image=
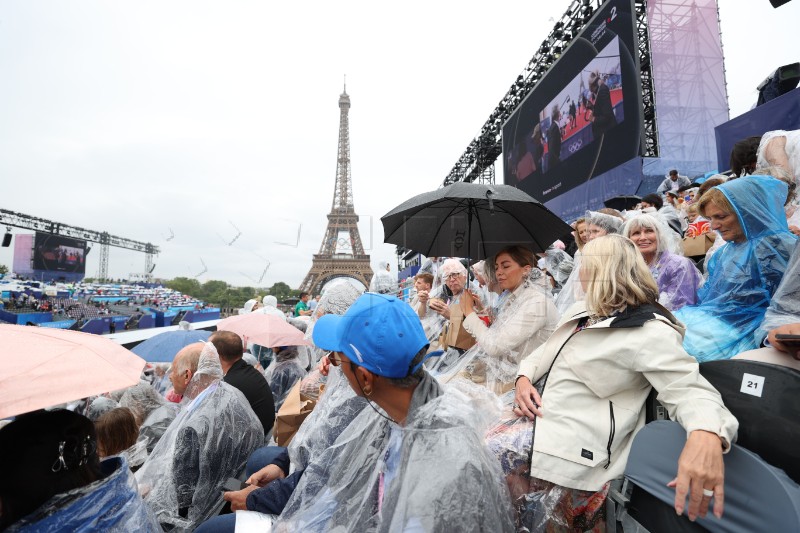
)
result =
(141, 118)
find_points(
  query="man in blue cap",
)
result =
(415, 460)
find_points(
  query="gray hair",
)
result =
(649, 222)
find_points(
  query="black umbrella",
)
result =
(621, 203)
(471, 220)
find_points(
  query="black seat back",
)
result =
(765, 399)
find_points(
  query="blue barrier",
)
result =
(58, 324)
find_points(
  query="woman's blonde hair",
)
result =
(618, 276)
(576, 233)
(716, 197)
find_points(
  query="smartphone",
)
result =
(787, 339)
(233, 485)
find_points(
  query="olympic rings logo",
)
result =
(574, 147)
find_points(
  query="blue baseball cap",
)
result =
(378, 332)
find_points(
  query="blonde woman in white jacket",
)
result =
(599, 366)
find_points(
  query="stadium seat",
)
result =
(764, 398)
(758, 496)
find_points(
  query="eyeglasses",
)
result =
(453, 275)
(335, 359)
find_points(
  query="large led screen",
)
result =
(583, 118)
(57, 253)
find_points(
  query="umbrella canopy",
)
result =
(264, 330)
(163, 347)
(621, 203)
(472, 220)
(42, 367)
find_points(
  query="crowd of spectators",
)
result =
(504, 402)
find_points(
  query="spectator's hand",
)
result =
(788, 329)
(265, 475)
(440, 307)
(238, 498)
(700, 468)
(527, 401)
(422, 296)
(324, 365)
(795, 230)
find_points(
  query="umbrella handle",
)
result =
(489, 194)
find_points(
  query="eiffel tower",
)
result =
(340, 256)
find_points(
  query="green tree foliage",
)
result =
(218, 293)
(3, 269)
(281, 291)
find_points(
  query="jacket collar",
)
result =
(633, 317)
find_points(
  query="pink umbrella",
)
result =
(42, 367)
(265, 330)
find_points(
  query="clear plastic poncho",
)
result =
(142, 399)
(383, 282)
(525, 321)
(559, 264)
(270, 307)
(283, 373)
(336, 408)
(433, 474)
(336, 300)
(156, 424)
(209, 441)
(677, 276)
(572, 290)
(784, 308)
(109, 504)
(742, 277)
(792, 150)
(100, 406)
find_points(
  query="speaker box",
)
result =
(7, 240)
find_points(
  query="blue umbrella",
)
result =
(163, 347)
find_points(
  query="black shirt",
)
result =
(255, 388)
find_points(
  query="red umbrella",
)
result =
(42, 367)
(265, 330)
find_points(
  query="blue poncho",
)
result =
(110, 504)
(742, 277)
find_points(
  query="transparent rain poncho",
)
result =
(336, 408)
(538, 505)
(153, 411)
(572, 291)
(108, 504)
(336, 300)
(784, 308)
(100, 406)
(209, 441)
(792, 150)
(742, 277)
(559, 264)
(270, 307)
(677, 277)
(383, 282)
(142, 399)
(526, 320)
(283, 373)
(433, 474)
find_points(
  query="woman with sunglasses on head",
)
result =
(596, 372)
(412, 461)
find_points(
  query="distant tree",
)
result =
(3, 270)
(184, 285)
(281, 291)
